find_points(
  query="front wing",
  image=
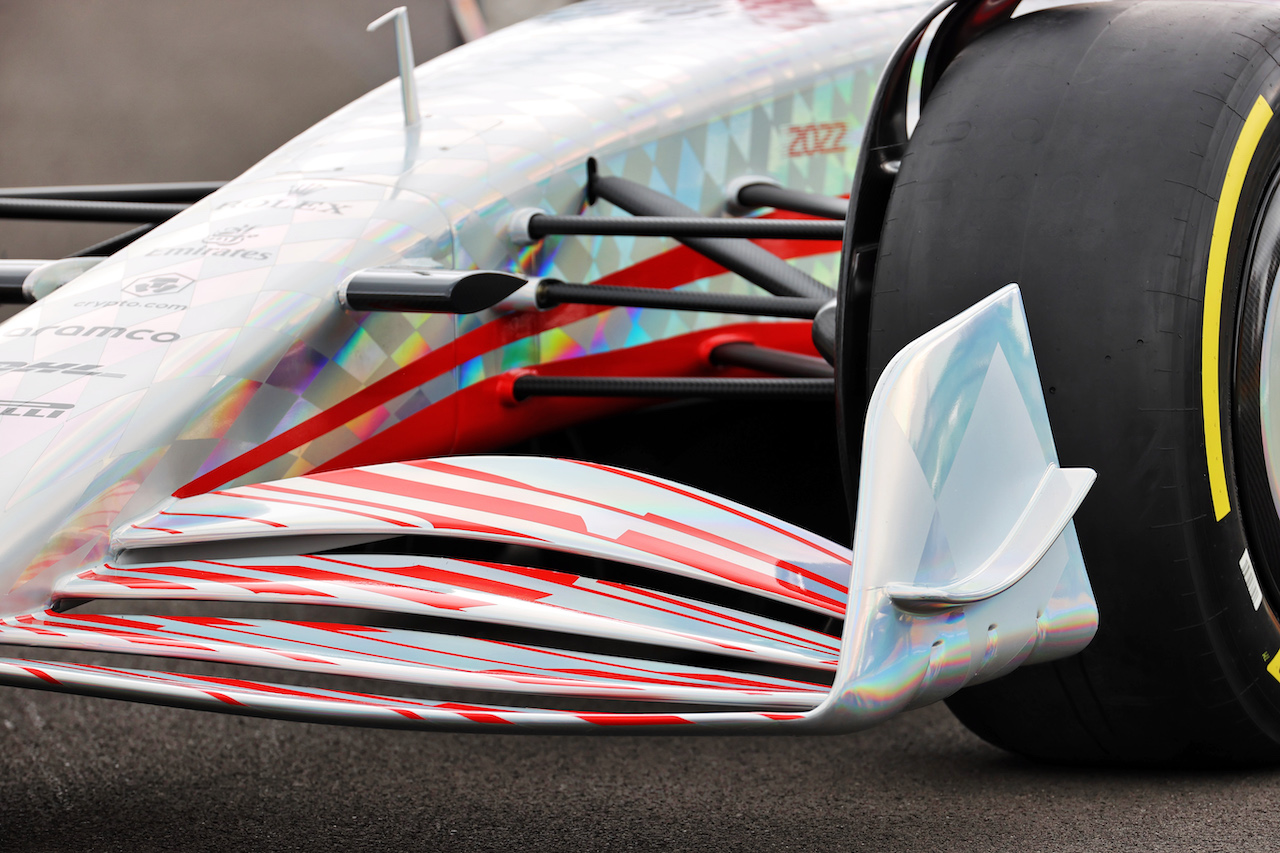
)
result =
(525, 594)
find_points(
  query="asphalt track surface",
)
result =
(130, 90)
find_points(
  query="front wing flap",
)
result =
(499, 593)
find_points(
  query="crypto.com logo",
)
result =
(157, 285)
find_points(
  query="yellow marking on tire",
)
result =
(1274, 666)
(1241, 157)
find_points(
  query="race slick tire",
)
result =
(1119, 161)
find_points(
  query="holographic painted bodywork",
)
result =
(469, 590)
(217, 338)
(957, 444)
(574, 507)
(179, 422)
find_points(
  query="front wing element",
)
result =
(582, 598)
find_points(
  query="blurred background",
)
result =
(118, 91)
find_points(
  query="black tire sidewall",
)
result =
(1178, 672)
(1244, 639)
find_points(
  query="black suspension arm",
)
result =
(87, 211)
(113, 244)
(663, 387)
(184, 192)
(554, 293)
(746, 259)
(823, 331)
(768, 195)
(684, 227)
(426, 290)
(12, 276)
(768, 360)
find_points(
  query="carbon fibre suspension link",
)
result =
(707, 387)
(685, 227)
(768, 195)
(551, 293)
(748, 260)
(87, 211)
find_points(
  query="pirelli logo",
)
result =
(27, 409)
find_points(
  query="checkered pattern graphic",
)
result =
(220, 330)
